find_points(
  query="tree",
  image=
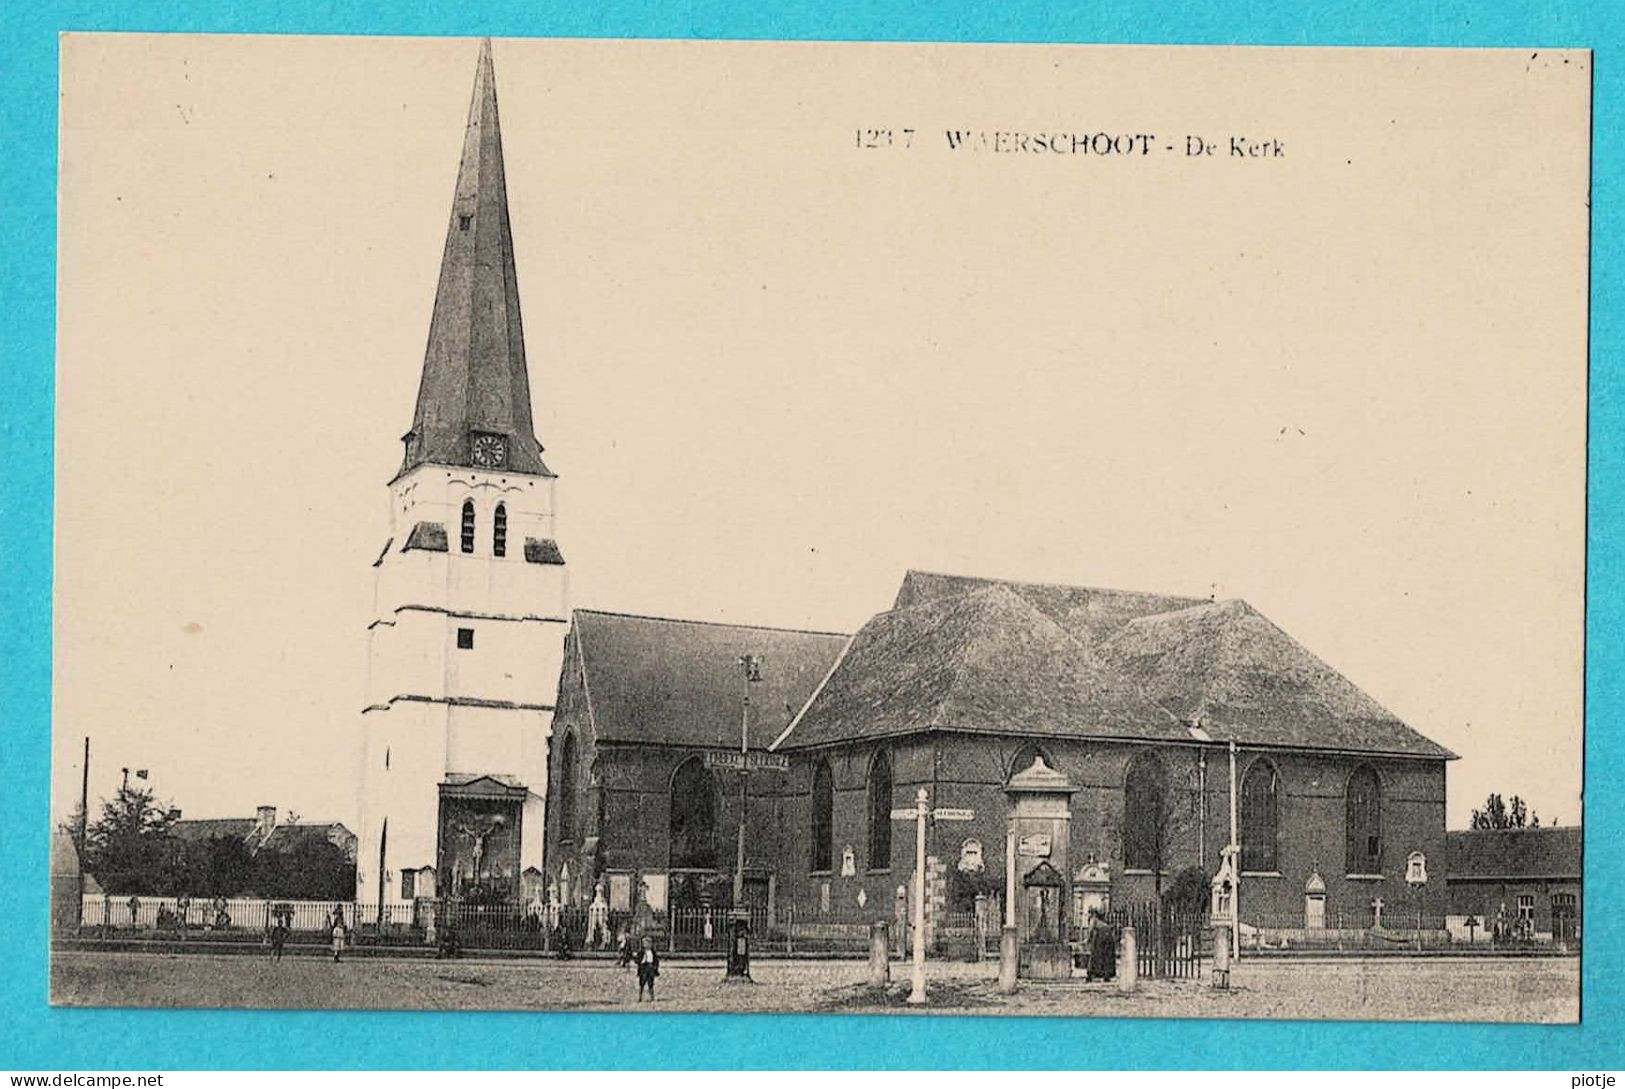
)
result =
(220, 866)
(1159, 812)
(313, 869)
(1188, 892)
(74, 825)
(128, 847)
(1499, 814)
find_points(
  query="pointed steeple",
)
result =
(473, 406)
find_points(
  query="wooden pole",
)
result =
(1235, 842)
(84, 831)
(1201, 810)
(383, 844)
(84, 805)
(746, 663)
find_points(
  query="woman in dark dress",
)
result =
(1102, 948)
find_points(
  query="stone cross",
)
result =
(1376, 907)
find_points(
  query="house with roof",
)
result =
(262, 832)
(1168, 717)
(1527, 879)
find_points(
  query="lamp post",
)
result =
(738, 961)
(751, 665)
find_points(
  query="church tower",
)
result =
(470, 593)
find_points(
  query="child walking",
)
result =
(648, 968)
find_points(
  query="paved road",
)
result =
(1454, 989)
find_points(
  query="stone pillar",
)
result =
(1128, 962)
(936, 899)
(426, 912)
(1221, 955)
(879, 954)
(1009, 957)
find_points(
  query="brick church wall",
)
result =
(968, 771)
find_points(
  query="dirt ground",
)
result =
(1432, 989)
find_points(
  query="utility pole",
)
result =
(84, 804)
(383, 844)
(1201, 808)
(916, 995)
(1235, 841)
(84, 832)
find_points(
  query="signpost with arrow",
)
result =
(918, 813)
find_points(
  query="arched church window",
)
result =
(694, 806)
(880, 796)
(567, 788)
(823, 819)
(1363, 817)
(468, 525)
(499, 531)
(1260, 817)
(1145, 814)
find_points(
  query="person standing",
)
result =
(338, 934)
(1102, 948)
(624, 953)
(279, 938)
(648, 968)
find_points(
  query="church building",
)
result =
(1161, 719)
(469, 601)
(690, 764)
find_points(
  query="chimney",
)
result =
(267, 819)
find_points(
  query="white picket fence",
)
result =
(240, 913)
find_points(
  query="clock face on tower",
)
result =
(490, 451)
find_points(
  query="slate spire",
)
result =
(473, 406)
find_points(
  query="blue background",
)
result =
(38, 1037)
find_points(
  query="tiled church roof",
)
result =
(1086, 612)
(1225, 666)
(983, 661)
(679, 682)
(1002, 657)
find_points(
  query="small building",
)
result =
(263, 831)
(1527, 879)
(69, 883)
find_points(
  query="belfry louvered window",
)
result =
(468, 525)
(499, 531)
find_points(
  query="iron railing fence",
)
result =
(1357, 929)
(1168, 944)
